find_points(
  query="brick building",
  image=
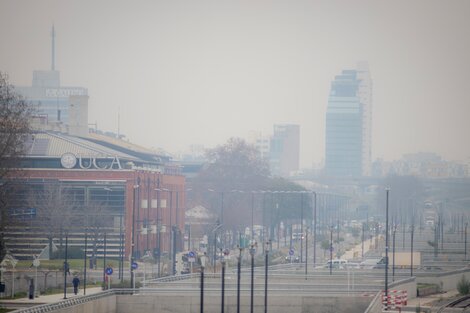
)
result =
(107, 190)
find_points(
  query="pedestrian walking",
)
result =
(75, 283)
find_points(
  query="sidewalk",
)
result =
(47, 298)
(426, 302)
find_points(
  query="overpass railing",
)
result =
(66, 303)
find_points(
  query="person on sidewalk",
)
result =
(75, 283)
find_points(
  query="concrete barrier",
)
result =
(278, 304)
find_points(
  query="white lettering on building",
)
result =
(65, 92)
(93, 163)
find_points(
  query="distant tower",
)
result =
(284, 149)
(53, 48)
(348, 124)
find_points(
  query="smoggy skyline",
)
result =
(199, 72)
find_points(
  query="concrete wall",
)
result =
(277, 304)
(447, 281)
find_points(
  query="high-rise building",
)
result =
(261, 142)
(58, 108)
(284, 149)
(348, 124)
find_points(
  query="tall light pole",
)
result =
(252, 217)
(314, 229)
(466, 224)
(306, 252)
(133, 234)
(252, 254)
(104, 261)
(84, 260)
(362, 242)
(222, 260)
(159, 226)
(266, 263)
(238, 277)
(66, 264)
(393, 255)
(301, 226)
(411, 248)
(331, 249)
(386, 245)
(203, 264)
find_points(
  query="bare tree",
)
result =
(15, 113)
(15, 128)
(96, 216)
(54, 210)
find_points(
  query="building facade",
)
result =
(94, 189)
(284, 149)
(348, 124)
(58, 108)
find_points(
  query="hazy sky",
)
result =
(199, 72)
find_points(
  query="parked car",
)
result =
(292, 259)
(337, 263)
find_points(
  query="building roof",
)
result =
(50, 144)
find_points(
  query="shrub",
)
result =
(463, 286)
(72, 253)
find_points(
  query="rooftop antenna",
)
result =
(119, 122)
(53, 48)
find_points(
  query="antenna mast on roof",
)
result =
(53, 48)
(119, 123)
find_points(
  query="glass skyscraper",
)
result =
(348, 124)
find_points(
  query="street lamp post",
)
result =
(386, 246)
(133, 235)
(362, 242)
(203, 264)
(301, 226)
(331, 249)
(266, 263)
(306, 252)
(314, 229)
(84, 262)
(238, 277)
(66, 265)
(411, 248)
(222, 260)
(393, 255)
(466, 224)
(252, 216)
(104, 262)
(252, 254)
(159, 226)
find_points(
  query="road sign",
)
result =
(291, 252)
(109, 271)
(134, 265)
(191, 257)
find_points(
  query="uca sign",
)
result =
(92, 163)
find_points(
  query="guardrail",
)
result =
(65, 303)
